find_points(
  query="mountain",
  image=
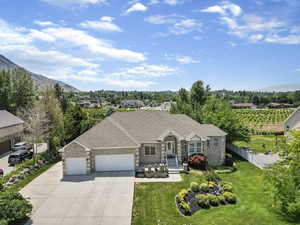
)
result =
(39, 80)
(282, 88)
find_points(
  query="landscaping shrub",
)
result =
(194, 187)
(181, 195)
(211, 184)
(293, 210)
(3, 222)
(230, 197)
(228, 160)
(221, 199)
(203, 201)
(212, 176)
(204, 187)
(198, 161)
(227, 188)
(213, 200)
(185, 208)
(13, 207)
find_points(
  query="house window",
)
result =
(195, 147)
(216, 142)
(149, 150)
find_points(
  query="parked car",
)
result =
(19, 157)
(22, 146)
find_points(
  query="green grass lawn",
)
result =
(256, 143)
(154, 203)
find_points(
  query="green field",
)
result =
(263, 120)
(154, 203)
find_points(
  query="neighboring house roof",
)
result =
(243, 105)
(130, 129)
(293, 120)
(7, 119)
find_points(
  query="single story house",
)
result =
(292, 122)
(11, 130)
(129, 104)
(130, 140)
(244, 106)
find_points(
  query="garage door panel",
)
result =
(75, 166)
(114, 162)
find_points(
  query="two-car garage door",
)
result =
(121, 162)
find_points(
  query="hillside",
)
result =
(39, 80)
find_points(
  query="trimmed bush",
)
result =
(293, 210)
(13, 207)
(230, 197)
(185, 208)
(213, 200)
(211, 184)
(227, 188)
(204, 187)
(181, 195)
(3, 222)
(194, 187)
(221, 199)
(203, 201)
(198, 161)
(212, 176)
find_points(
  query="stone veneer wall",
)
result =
(75, 150)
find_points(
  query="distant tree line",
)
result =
(259, 98)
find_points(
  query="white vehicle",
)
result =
(22, 146)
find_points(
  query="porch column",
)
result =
(179, 153)
(163, 152)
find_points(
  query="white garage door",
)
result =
(114, 162)
(75, 166)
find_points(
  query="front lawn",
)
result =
(259, 143)
(154, 203)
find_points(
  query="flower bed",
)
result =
(153, 171)
(211, 193)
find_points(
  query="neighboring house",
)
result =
(89, 103)
(130, 140)
(244, 106)
(280, 105)
(11, 129)
(129, 104)
(292, 122)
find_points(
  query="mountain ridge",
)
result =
(39, 80)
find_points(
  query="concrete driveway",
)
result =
(100, 199)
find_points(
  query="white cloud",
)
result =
(169, 2)
(80, 38)
(289, 39)
(69, 2)
(163, 19)
(146, 71)
(186, 26)
(136, 7)
(179, 25)
(225, 8)
(256, 37)
(104, 24)
(44, 23)
(186, 60)
(36, 34)
(128, 83)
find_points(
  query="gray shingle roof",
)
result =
(123, 129)
(7, 119)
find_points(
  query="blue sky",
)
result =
(155, 44)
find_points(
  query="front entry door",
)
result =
(171, 148)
